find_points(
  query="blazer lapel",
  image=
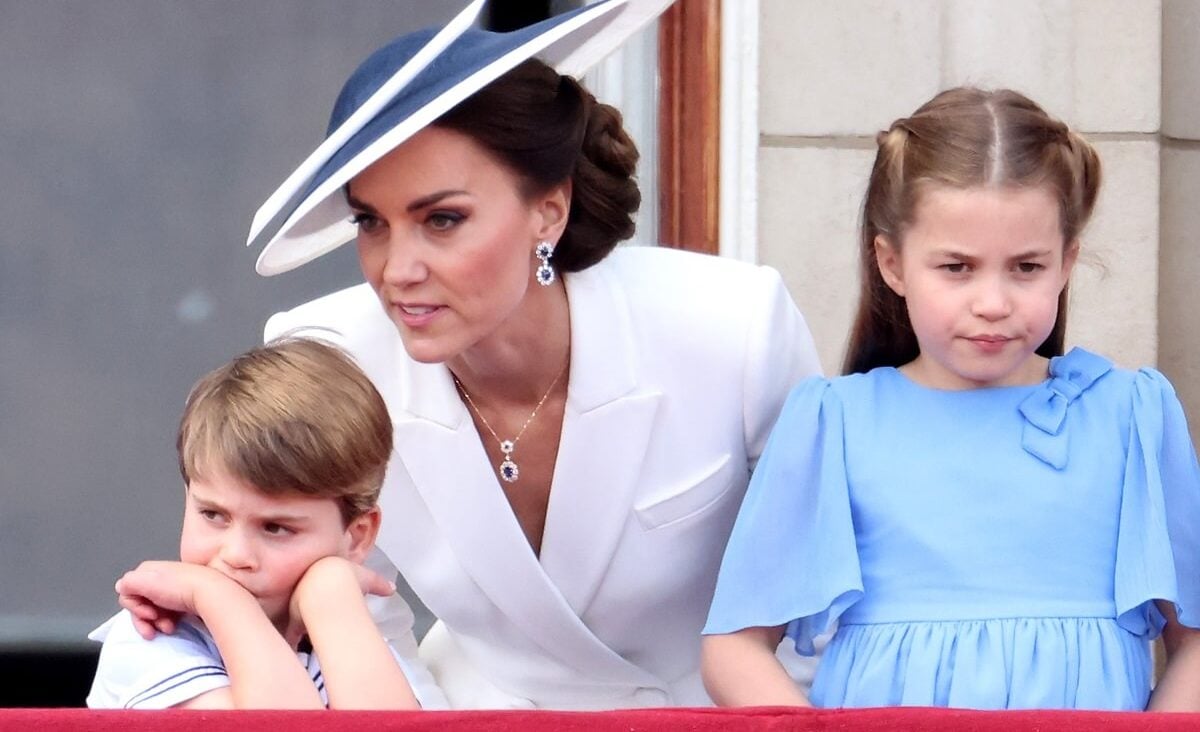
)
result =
(442, 453)
(606, 430)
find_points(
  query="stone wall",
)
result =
(1125, 73)
(1179, 285)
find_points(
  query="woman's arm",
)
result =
(358, 666)
(740, 669)
(264, 672)
(1179, 688)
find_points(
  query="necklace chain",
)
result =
(508, 469)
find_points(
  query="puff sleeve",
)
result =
(792, 558)
(1158, 543)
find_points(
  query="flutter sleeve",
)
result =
(1158, 544)
(792, 558)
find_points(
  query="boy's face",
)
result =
(265, 543)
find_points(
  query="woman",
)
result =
(575, 426)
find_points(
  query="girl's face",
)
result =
(980, 270)
(446, 240)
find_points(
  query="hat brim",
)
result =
(316, 218)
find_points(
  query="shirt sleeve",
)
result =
(792, 558)
(135, 673)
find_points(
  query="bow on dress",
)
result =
(1045, 410)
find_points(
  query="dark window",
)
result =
(507, 15)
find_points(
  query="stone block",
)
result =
(1179, 268)
(1114, 290)
(1117, 65)
(1024, 45)
(810, 199)
(845, 68)
(1093, 62)
(1181, 69)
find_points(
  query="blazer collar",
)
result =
(603, 357)
(605, 432)
(426, 391)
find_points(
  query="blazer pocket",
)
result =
(691, 498)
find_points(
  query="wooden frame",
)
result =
(689, 125)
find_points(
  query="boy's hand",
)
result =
(157, 593)
(148, 618)
(371, 582)
(330, 577)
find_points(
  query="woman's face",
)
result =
(446, 239)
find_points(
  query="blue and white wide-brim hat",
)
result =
(402, 88)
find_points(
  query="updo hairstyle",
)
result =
(547, 129)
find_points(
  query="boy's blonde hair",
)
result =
(293, 416)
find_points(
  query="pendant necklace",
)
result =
(508, 469)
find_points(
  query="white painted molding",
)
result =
(738, 200)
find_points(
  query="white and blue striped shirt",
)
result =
(135, 673)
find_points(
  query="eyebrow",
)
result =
(1034, 254)
(420, 203)
(282, 518)
(1030, 254)
(952, 254)
(266, 518)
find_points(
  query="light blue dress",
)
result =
(994, 548)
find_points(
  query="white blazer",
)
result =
(680, 364)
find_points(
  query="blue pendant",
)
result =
(509, 471)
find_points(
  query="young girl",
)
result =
(991, 524)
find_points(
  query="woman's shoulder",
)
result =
(351, 318)
(685, 305)
(653, 270)
(335, 309)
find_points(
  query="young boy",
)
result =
(283, 453)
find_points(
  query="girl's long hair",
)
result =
(962, 138)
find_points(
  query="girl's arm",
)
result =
(1179, 688)
(264, 672)
(358, 666)
(740, 669)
